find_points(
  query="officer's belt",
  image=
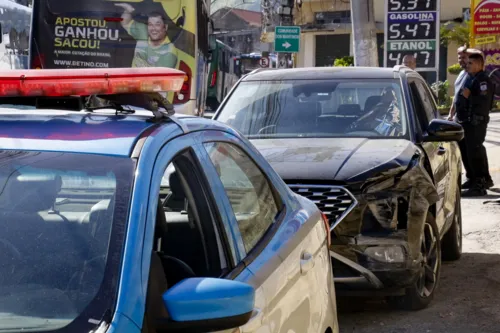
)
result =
(474, 118)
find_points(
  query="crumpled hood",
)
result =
(337, 159)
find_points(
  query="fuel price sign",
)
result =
(412, 28)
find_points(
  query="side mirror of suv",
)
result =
(443, 130)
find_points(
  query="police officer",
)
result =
(473, 108)
(459, 84)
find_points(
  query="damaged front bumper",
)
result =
(374, 263)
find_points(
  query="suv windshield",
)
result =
(317, 108)
(62, 217)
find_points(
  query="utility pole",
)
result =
(285, 12)
(364, 33)
(266, 24)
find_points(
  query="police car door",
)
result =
(437, 152)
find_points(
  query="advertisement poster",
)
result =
(485, 35)
(110, 33)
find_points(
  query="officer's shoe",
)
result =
(489, 183)
(474, 192)
(478, 189)
(468, 184)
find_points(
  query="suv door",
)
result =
(292, 266)
(437, 152)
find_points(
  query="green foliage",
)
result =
(440, 88)
(346, 61)
(455, 32)
(455, 69)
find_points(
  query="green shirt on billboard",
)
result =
(147, 55)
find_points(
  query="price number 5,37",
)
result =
(409, 5)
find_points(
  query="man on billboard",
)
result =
(154, 49)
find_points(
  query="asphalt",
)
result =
(467, 299)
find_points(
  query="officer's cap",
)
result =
(475, 51)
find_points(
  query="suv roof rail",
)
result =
(258, 70)
(399, 68)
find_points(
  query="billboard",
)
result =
(485, 35)
(110, 33)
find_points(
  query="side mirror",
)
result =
(443, 130)
(207, 305)
(212, 43)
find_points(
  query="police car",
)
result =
(95, 237)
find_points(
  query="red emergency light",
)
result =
(84, 82)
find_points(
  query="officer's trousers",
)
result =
(475, 157)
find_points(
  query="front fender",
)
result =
(392, 210)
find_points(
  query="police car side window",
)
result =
(250, 193)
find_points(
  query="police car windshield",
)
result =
(62, 217)
(317, 108)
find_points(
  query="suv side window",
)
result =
(250, 193)
(418, 105)
(427, 100)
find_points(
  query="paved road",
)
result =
(468, 298)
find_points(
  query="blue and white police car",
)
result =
(117, 216)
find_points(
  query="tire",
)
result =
(420, 295)
(452, 240)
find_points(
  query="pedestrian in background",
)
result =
(410, 61)
(474, 102)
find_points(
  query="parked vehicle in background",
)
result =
(105, 34)
(222, 75)
(246, 63)
(369, 148)
(119, 216)
(15, 20)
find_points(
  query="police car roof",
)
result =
(326, 73)
(101, 132)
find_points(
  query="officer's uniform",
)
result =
(473, 114)
(462, 79)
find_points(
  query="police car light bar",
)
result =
(85, 82)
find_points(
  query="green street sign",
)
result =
(287, 39)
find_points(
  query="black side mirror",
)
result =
(443, 130)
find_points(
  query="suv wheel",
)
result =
(420, 295)
(452, 240)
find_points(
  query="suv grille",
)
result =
(334, 201)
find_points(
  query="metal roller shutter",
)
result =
(331, 47)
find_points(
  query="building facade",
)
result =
(238, 28)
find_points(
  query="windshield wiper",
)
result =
(111, 105)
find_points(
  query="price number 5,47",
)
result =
(413, 29)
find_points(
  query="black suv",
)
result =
(368, 147)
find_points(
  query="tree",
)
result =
(455, 32)
(346, 61)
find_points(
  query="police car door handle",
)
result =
(441, 150)
(306, 262)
